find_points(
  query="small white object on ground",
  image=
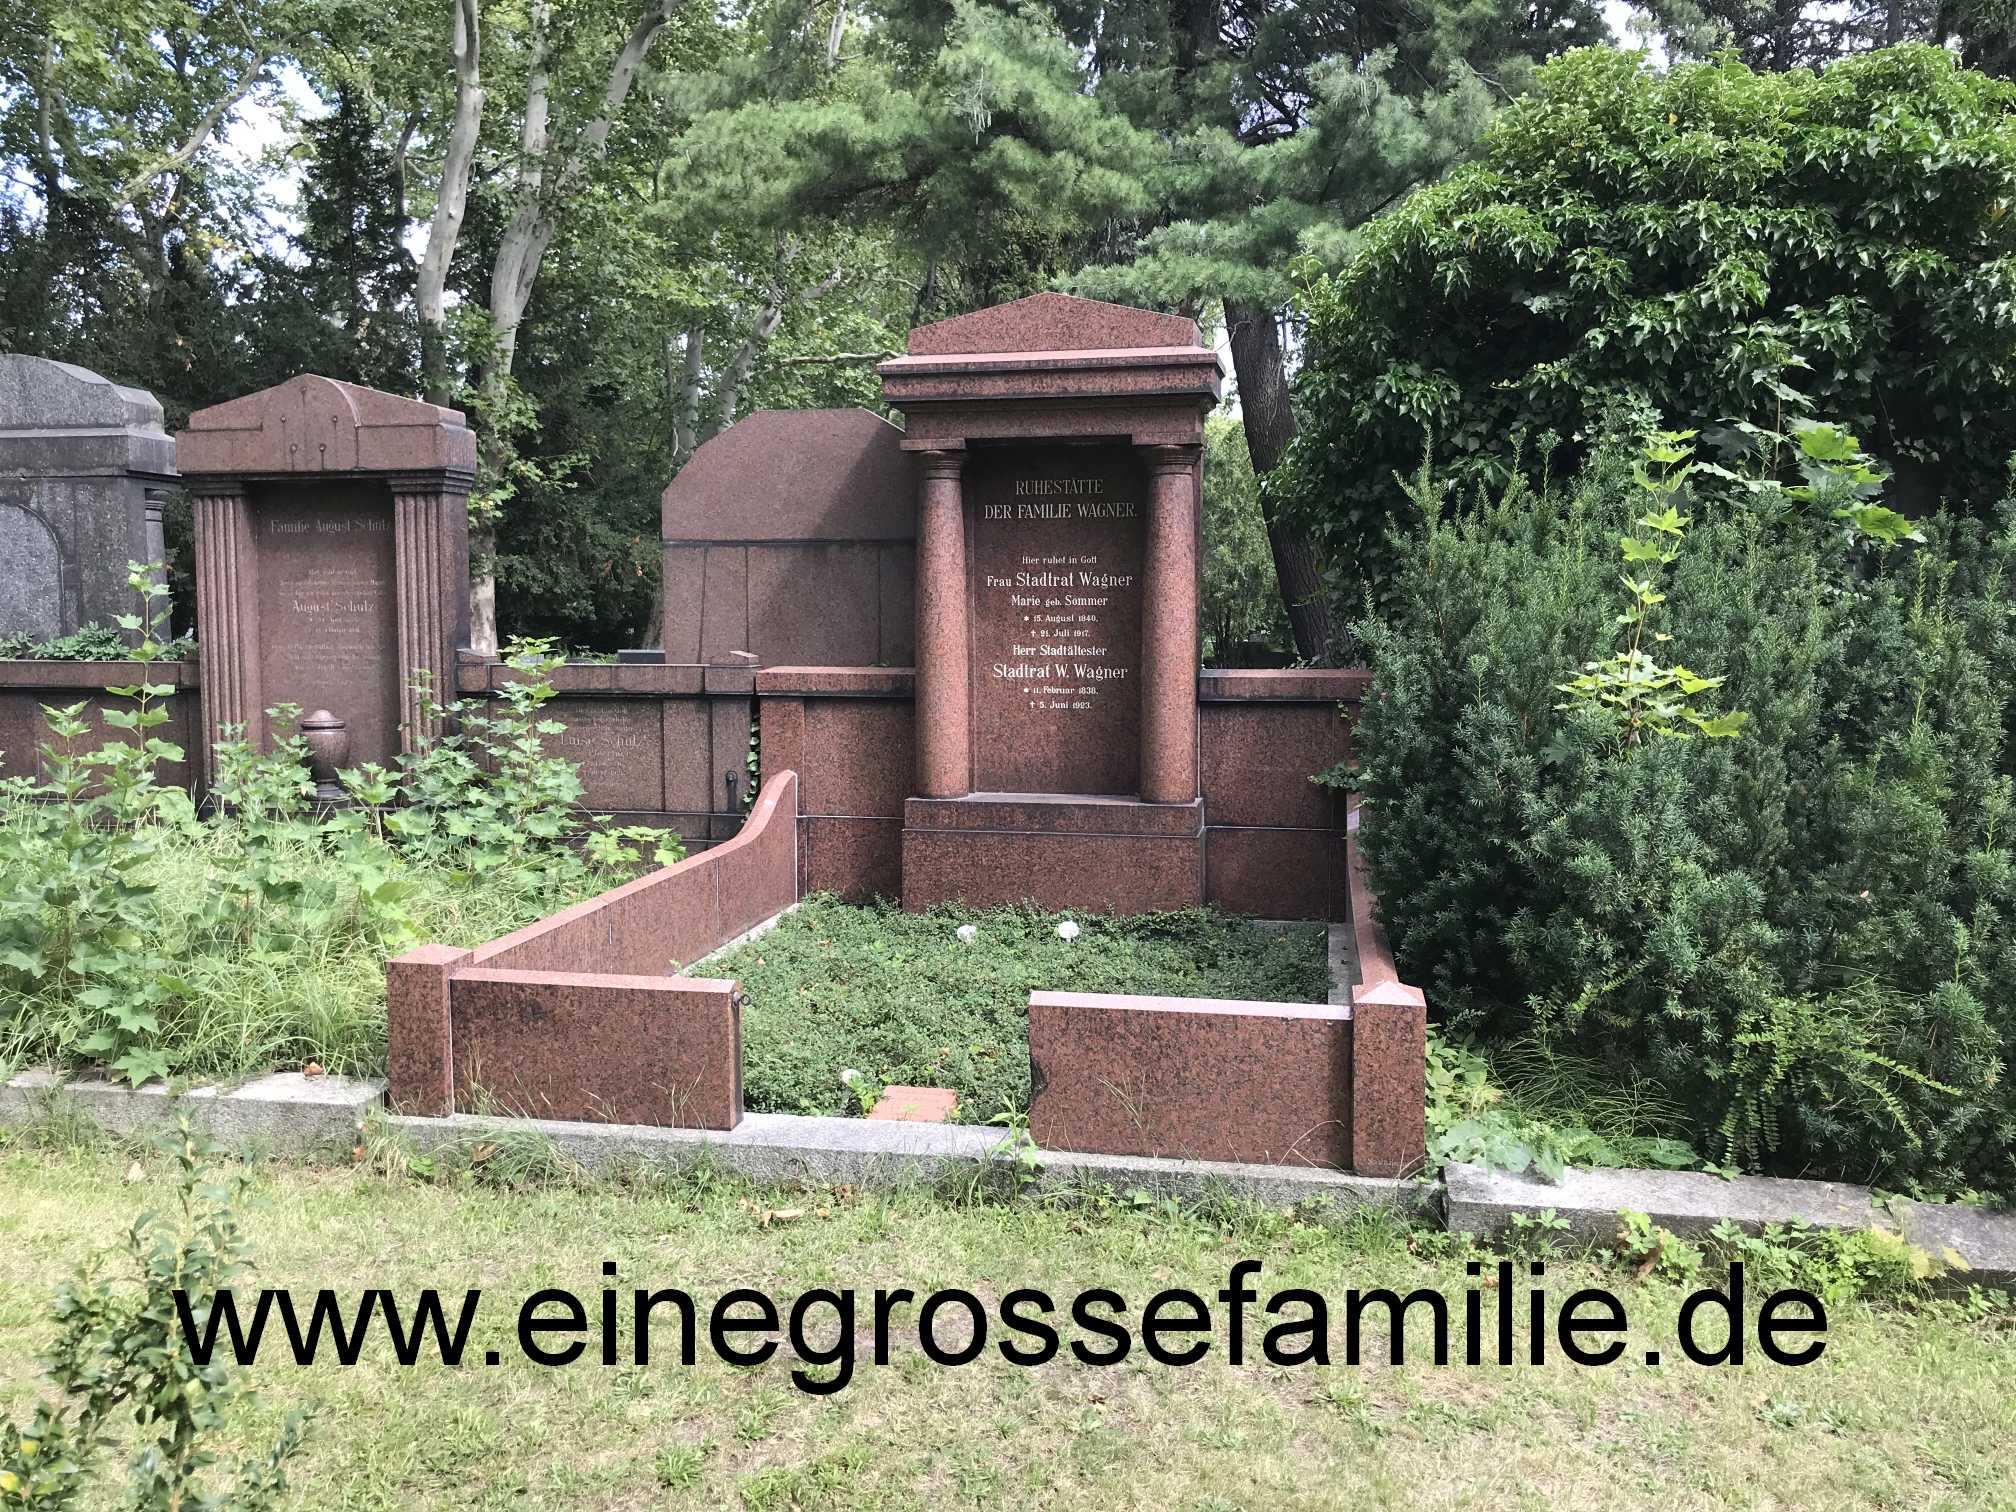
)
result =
(966, 932)
(1067, 930)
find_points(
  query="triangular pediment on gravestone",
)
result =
(317, 424)
(39, 394)
(1052, 323)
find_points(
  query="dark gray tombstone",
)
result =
(84, 469)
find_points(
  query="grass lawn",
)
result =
(902, 999)
(1903, 1410)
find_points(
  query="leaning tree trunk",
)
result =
(1270, 425)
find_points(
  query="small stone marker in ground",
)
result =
(915, 1105)
(84, 470)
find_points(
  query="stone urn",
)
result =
(328, 741)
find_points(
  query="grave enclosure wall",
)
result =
(969, 648)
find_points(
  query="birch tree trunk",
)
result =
(451, 203)
(546, 184)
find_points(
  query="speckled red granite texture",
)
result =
(418, 1054)
(790, 535)
(1258, 759)
(882, 682)
(1054, 814)
(915, 1105)
(1168, 766)
(799, 475)
(25, 686)
(943, 736)
(851, 747)
(1318, 684)
(1122, 874)
(310, 425)
(674, 915)
(1389, 1133)
(1274, 873)
(1143, 422)
(857, 858)
(1046, 322)
(665, 1051)
(1186, 374)
(1191, 1078)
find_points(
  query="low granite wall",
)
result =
(583, 1015)
(653, 742)
(1191, 1078)
(1389, 1036)
(1340, 1085)
(25, 686)
(849, 732)
(1273, 840)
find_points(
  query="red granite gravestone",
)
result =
(1057, 565)
(332, 558)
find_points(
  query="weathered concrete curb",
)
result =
(1690, 1203)
(291, 1114)
(282, 1114)
(864, 1152)
(1196, 1181)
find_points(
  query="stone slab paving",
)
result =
(1690, 1203)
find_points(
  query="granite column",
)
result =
(944, 732)
(227, 614)
(1169, 628)
(430, 521)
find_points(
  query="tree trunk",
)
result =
(450, 204)
(1270, 425)
(546, 183)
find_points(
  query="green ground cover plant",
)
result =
(904, 999)
(1908, 1407)
(91, 643)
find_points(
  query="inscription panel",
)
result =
(619, 745)
(328, 610)
(1056, 539)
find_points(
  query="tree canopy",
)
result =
(1717, 243)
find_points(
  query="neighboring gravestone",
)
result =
(332, 558)
(790, 536)
(84, 469)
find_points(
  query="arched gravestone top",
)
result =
(60, 420)
(797, 475)
(1052, 323)
(311, 425)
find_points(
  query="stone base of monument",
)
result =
(1055, 851)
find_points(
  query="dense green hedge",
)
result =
(1794, 930)
(1721, 243)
